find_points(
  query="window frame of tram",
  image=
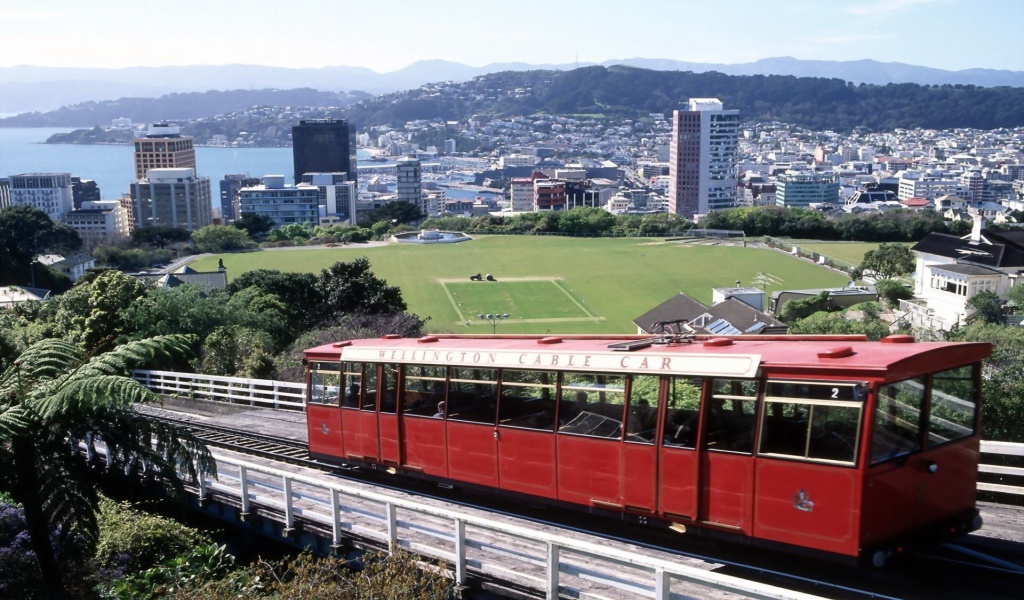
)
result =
(813, 421)
(592, 404)
(472, 395)
(321, 373)
(891, 440)
(732, 415)
(352, 375)
(684, 399)
(526, 399)
(423, 390)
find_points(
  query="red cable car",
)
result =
(828, 444)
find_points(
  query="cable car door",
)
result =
(726, 479)
(387, 419)
(359, 413)
(678, 467)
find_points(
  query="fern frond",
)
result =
(133, 354)
(14, 420)
(85, 397)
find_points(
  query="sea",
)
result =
(23, 150)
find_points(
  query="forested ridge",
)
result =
(615, 92)
(628, 92)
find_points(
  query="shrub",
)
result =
(131, 540)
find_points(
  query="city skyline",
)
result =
(945, 34)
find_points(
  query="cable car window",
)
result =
(897, 420)
(472, 394)
(354, 385)
(324, 383)
(812, 420)
(527, 399)
(422, 390)
(683, 411)
(730, 420)
(953, 409)
(642, 417)
(389, 400)
(592, 404)
(370, 386)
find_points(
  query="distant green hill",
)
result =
(628, 92)
(179, 107)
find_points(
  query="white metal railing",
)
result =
(291, 396)
(534, 558)
(1004, 448)
(265, 393)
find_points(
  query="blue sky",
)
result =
(386, 35)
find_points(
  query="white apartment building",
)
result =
(171, 198)
(100, 222)
(5, 193)
(48, 192)
(517, 160)
(702, 157)
(928, 184)
(521, 190)
(337, 196)
(284, 204)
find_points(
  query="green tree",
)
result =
(52, 398)
(237, 351)
(1002, 379)
(987, 307)
(161, 236)
(217, 238)
(587, 220)
(96, 314)
(889, 261)
(396, 212)
(350, 287)
(25, 233)
(801, 309)
(892, 291)
(257, 226)
(825, 323)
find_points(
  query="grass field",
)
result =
(851, 252)
(547, 284)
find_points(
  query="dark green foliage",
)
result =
(835, 323)
(889, 261)
(810, 224)
(892, 291)
(294, 290)
(349, 287)
(131, 259)
(26, 232)
(795, 310)
(160, 236)
(620, 91)
(988, 307)
(1002, 379)
(396, 213)
(132, 540)
(55, 395)
(256, 225)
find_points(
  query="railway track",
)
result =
(966, 561)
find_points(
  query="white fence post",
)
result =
(289, 512)
(662, 584)
(392, 518)
(460, 551)
(243, 476)
(335, 519)
(552, 582)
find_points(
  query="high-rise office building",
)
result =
(171, 198)
(163, 147)
(84, 190)
(5, 193)
(230, 200)
(49, 192)
(409, 181)
(702, 158)
(802, 189)
(324, 146)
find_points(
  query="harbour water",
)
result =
(112, 167)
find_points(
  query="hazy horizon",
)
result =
(944, 34)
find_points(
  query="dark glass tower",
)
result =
(324, 146)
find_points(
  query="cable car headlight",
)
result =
(933, 467)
